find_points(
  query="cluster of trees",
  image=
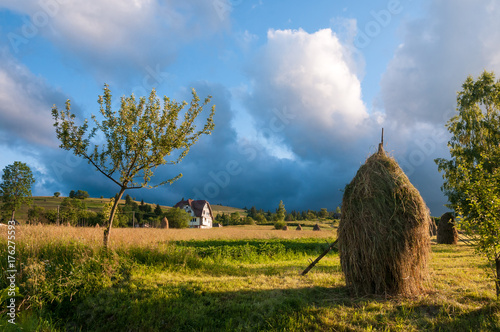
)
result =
(72, 211)
(233, 219)
(262, 217)
(139, 214)
(80, 194)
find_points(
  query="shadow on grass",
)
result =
(306, 246)
(190, 307)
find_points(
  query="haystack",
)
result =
(447, 232)
(383, 234)
(285, 228)
(164, 223)
(299, 228)
(316, 228)
(432, 228)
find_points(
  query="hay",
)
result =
(383, 232)
(285, 228)
(447, 232)
(432, 228)
(316, 228)
(299, 228)
(164, 223)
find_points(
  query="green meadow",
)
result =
(242, 278)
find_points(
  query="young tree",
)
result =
(177, 218)
(57, 194)
(137, 139)
(235, 218)
(158, 211)
(81, 194)
(472, 175)
(15, 188)
(281, 212)
(35, 214)
(323, 213)
(128, 200)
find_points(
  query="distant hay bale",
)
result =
(316, 228)
(446, 231)
(432, 228)
(164, 223)
(97, 226)
(285, 228)
(299, 228)
(383, 234)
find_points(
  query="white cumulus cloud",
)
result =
(305, 89)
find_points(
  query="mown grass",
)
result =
(232, 279)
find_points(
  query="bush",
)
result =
(249, 221)
(177, 218)
(279, 224)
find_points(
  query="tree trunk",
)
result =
(497, 276)
(13, 214)
(107, 231)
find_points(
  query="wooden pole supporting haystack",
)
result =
(327, 250)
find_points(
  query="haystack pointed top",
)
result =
(381, 144)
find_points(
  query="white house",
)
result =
(200, 211)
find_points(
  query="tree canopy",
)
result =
(15, 188)
(472, 175)
(133, 141)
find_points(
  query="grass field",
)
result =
(228, 279)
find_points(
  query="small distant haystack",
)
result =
(217, 225)
(285, 228)
(383, 234)
(447, 232)
(164, 223)
(97, 226)
(299, 228)
(316, 228)
(432, 227)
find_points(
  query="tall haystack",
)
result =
(164, 223)
(299, 228)
(383, 234)
(447, 232)
(316, 228)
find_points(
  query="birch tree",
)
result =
(472, 175)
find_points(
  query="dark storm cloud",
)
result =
(420, 85)
(25, 104)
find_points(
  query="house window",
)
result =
(193, 220)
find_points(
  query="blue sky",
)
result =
(302, 89)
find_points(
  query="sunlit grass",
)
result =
(232, 278)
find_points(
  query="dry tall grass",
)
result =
(139, 237)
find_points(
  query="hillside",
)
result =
(96, 204)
